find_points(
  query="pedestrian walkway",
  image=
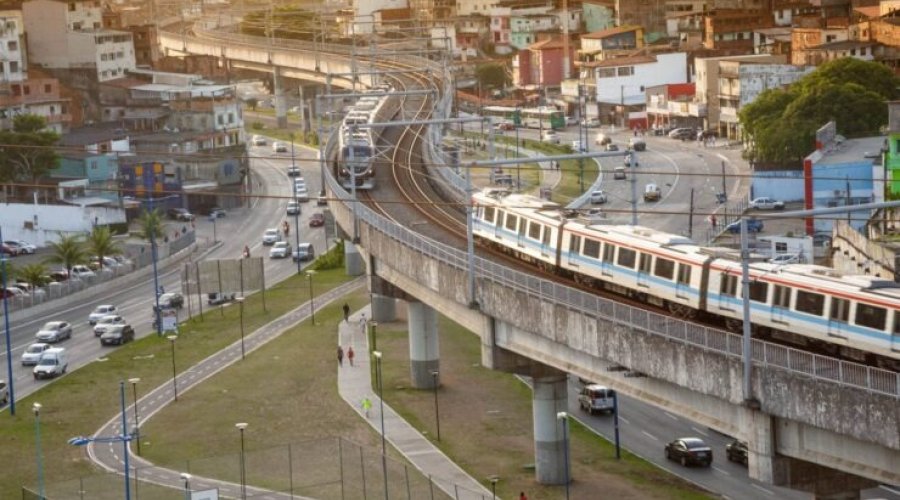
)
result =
(355, 385)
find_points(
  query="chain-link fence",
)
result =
(328, 468)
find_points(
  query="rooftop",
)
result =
(598, 35)
(621, 61)
(853, 150)
(93, 134)
(843, 45)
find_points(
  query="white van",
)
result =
(53, 363)
(602, 139)
(594, 398)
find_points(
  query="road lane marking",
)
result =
(624, 420)
(698, 431)
(651, 436)
(673, 417)
(760, 488)
(721, 470)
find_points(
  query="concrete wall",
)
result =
(47, 221)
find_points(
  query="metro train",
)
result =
(857, 317)
(357, 141)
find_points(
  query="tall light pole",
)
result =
(374, 325)
(36, 408)
(153, 254)
(137, 422)
(312, 304)
(240, 301)
(125, 439)
(517, 119)
(187, 485)
(564, 418)
(9, 369)
(493, 480)
(437, 413)
(378, 376)
(240, 427)
(174, 373)
(297, 203)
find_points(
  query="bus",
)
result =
(544, 117)
(503, 114)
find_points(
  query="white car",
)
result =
(271, 236)
(765, 203)
(81, 272)
(32, 353)
(598, 197)
(279, 147)
(550, 137)
(110, 319)
(280, 250)
(25, 247)
(293, 208)
(302, 194)
(54, 331)
(577, 147)
(259, 140)
(101, 311)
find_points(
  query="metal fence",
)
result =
(328, 468)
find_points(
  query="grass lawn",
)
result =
(486, 426)
(80, 402)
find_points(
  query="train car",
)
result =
(354, 164)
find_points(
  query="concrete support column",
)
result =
(384, 308)
(280, 101)
(762, 462)
(549, 441)
(353, 262)
(424, 355)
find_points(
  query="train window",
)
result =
(810, 303)
(489, 214)
(534, 230)
(870, 316)
(664, 268)
(511, 222)
(575, 244)
(840, 310)
(608, 251)
(896, 323)
(645, 263)
(782, 297)
(684, 274)
(759, 291)
(728, 285)
(591, 249)
(626, 258)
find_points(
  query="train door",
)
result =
(498, 227)
(645, 264)
(895, 332)
(546, 248)
(838, 317)
(781, 304)
(683, 281)
(728, 285)
(574, 250)
(522, 232)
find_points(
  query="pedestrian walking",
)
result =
(340, 354)
(346, 312)
(350, 355)
(366, 406)
(712, 220)
(522, 496)
(362, 323)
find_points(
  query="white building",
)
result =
(364, 20)
(475, 7)
(70, 35)
(13, 65)
(623, 80)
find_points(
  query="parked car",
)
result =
(32, 353)
(53, 363)
(280, 250)
(81, 271)
(317, 220)
(108, 263)
(117, 335)
(590, 122)
(259, 140)
(652, 192)
(58, 276)
(216, 298)
(107, 321)
(765, 203)
(54, 331)
(596, 398)
(8, 250)
(22, 247)
(172, 300)
(753, 226)
(4, 393)
(279, 147)
(736, 451)
(271, 236)
(611, 147)
(101, 311)
(690, 451)
(301, 194)
(294, 171)
(12, 291)
(304, 251)
(598, 197)
(293, 208)
(550, 137)
(637, 144)
(181, 214)
(217, 213)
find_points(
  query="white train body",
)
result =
(357, 148)
(800, 303)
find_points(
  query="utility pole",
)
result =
(632, 161)
(691, 217)
(724, 189)
(847, 199)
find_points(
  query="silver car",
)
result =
(280, 250)
(54, 331)
(105, 322)
(32, 353)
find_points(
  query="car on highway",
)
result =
(117, 335)
(596, 398)
(689, 451)
(317, 220)
(299, 184)
(590, 122)
(619, 173)
(321, 201)
(652, 192)
(32, 353)
(106, 322)
(216, 298)
(611, 147)
(293, 208)
(637, 144)
(279, 147)
(4, 392)
(765, 203)
(53, 363)
(54, 331)
(294, 171)
(550, 137)
(301, 194)
(181, 214)
(171, 300)
(598, 197)
(304, 251)
(736, 451)
(259, 140)
(271, 236)
(21, 247)
(753, 226)
(101, 311)
(280, 250)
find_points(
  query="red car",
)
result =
(317, 220)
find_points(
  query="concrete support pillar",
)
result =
(549, 440)
(353, 262)
(424, 355)
(280, 101)
(762, 462)
(384, 308)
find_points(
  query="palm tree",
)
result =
(150, 225)
(101, 243)
(35, 275)
(68, 251)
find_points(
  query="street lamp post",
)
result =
(564, 418)
(493, 480)
(137, 422)
(36, 408)
(240, 427)
(297, 203)
(374, 325)
(9, 369)
(187, 485)
(378, 376)
(215, 233)
(437, 413)
(240, 301)
(174, 373)
(312, 304)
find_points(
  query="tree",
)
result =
(35, 275)
(27, 151)
(874, 76)
(150, 225)
(68, 251)
(101, 243)
(252, 102)
(491, 75)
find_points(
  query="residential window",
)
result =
(14, 66)
(220, 120)
(781, 246)
(626, 71)
(71, 6)
(120, 55)
(48, 88)
(27, 89)
(230, 117)
(606, 73)
(12, 45)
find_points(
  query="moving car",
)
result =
(765, 203)
(117, 335)
(259, 140)
(170, 300)
(301, 194)
(54, 331)
(652, 192)
(596, 398)
(106, 322)
(637, 144)
(690, 450)
(4, 393)
(53, 363)
(181, 214)
(753, 226)
(216, 298)
(736, 451)
(101, 311)
(305, 251)
(279, 147)
(550, 137)
(619, 173)
(280, 250)
(271, 236)
(683, 133)
(321, 201)
(32, 353)
(293, 171)
(598, 197)
(217, 213)
(293, 208)
(317, 220)
(20, 247)
(611, 147)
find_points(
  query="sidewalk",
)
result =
(354, 384)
